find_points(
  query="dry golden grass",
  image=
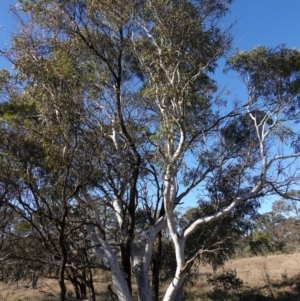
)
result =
(273, 275)
(48, 290)
(21, 291)
(254, 270)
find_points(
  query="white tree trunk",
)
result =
(174, 286)
(141, 264)
(141, 261)
(169, 200)
(179, 277)
(106, 254)
(121, 286)
(143, 282)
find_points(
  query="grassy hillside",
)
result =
(274, 277)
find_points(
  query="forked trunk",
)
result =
(143, 282)
(106, 254)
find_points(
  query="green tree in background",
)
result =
(288, 230)
(265, 238)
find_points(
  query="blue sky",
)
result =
(8, 25)
(259, 23)
(262, 23)
(266, 22)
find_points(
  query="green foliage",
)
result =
(23, 227)
(240, 132)
(224, 284)
(272, 71)
(269, 235)
(109, 106)
(260, 243)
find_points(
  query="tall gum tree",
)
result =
(119, 95)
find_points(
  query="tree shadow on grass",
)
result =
(285, 290)
(253, 295)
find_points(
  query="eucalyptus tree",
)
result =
(288, 229)
(265, 238)
(113, 112)
(41, 149)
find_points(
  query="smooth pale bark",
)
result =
(173, 291)
(175, 286)
(120, 286)
(207, 219)
(141, 265)
(169, 200)
(143, 281)
(179, 277)
(106, 254)
(141, 260)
